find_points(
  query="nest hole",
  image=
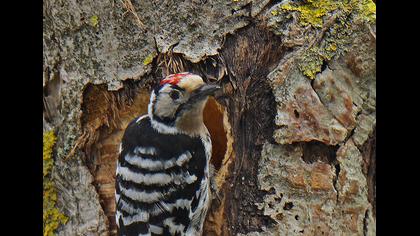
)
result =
(106, 114)
(213, 119)
(216, 121)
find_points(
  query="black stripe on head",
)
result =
(158, 87)
(187, 105)
(169, 121)
(174, 86)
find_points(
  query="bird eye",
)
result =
(174, 94)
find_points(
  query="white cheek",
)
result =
(165, 107)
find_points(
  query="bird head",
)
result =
(179, 101)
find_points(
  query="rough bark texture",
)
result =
(293, 131)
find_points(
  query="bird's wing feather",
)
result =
(159, 180)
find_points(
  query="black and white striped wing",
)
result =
(161, 182)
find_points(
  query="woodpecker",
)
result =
(162, 176)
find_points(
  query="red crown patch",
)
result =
(174, 79)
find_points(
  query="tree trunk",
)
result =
(293, 132)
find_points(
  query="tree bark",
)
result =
(293, 132)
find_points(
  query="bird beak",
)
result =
(207, 90)
(203, 92)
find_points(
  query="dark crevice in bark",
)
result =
(337, 174)
(318, 151)
(365, 222)
(368, 151)
(324, 65)
(250, 105)
(317, 95)
(349, 135)
(314, 151)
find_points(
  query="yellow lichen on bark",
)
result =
(52, 217)
(336, 29)
(312, 11)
